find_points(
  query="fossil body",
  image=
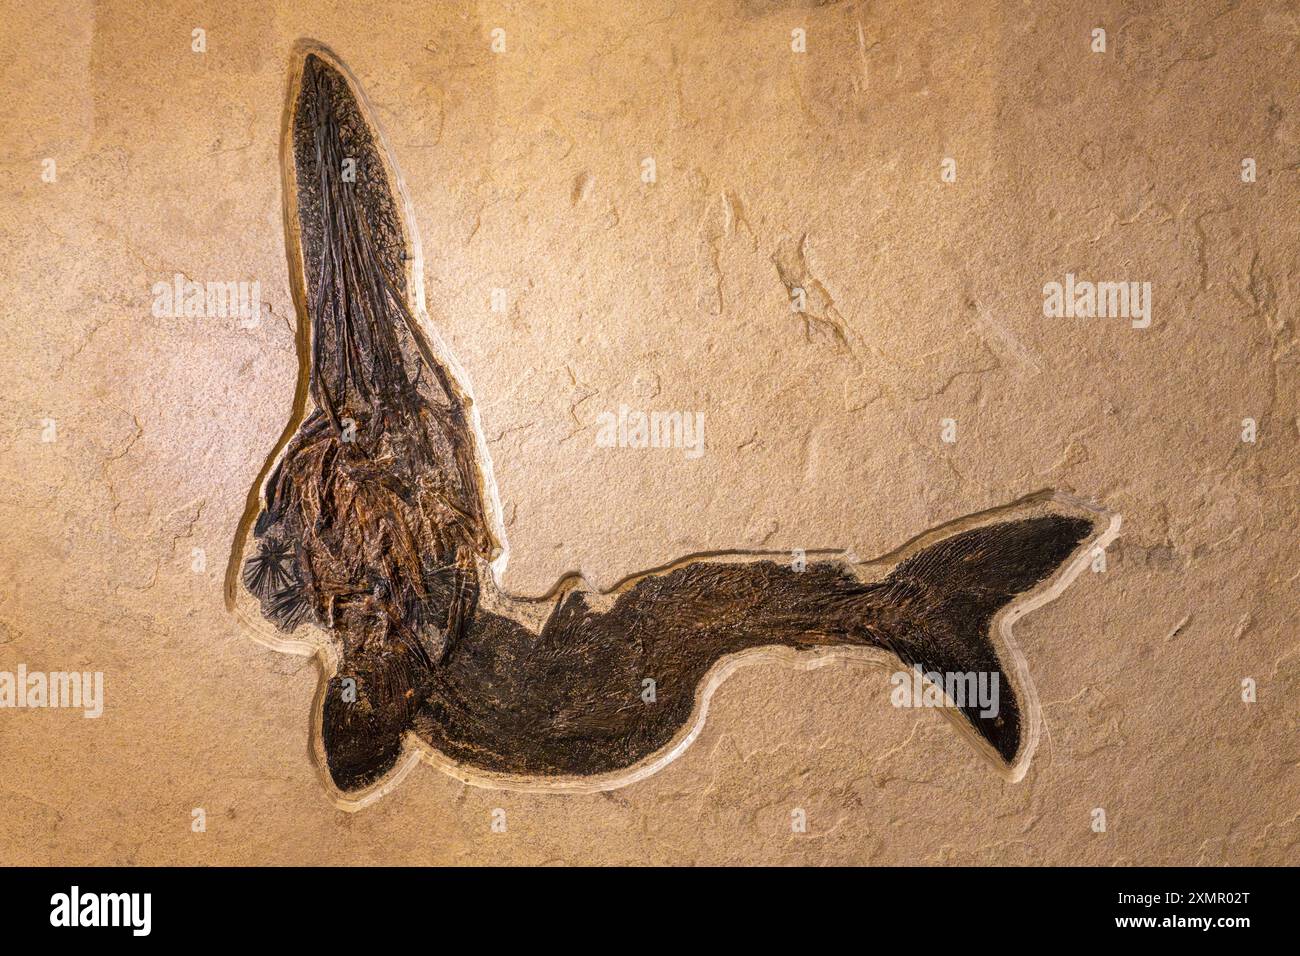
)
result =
(372, 527)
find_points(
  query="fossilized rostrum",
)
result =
(373, 533)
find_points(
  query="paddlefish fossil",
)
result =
(374, 527)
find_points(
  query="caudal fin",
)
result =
(953, 591)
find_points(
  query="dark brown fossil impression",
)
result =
(373, 526)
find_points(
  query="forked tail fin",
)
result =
(951, 593)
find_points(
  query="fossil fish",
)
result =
(375, 527)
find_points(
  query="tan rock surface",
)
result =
(925, 303)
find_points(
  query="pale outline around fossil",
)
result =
(322, 648)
